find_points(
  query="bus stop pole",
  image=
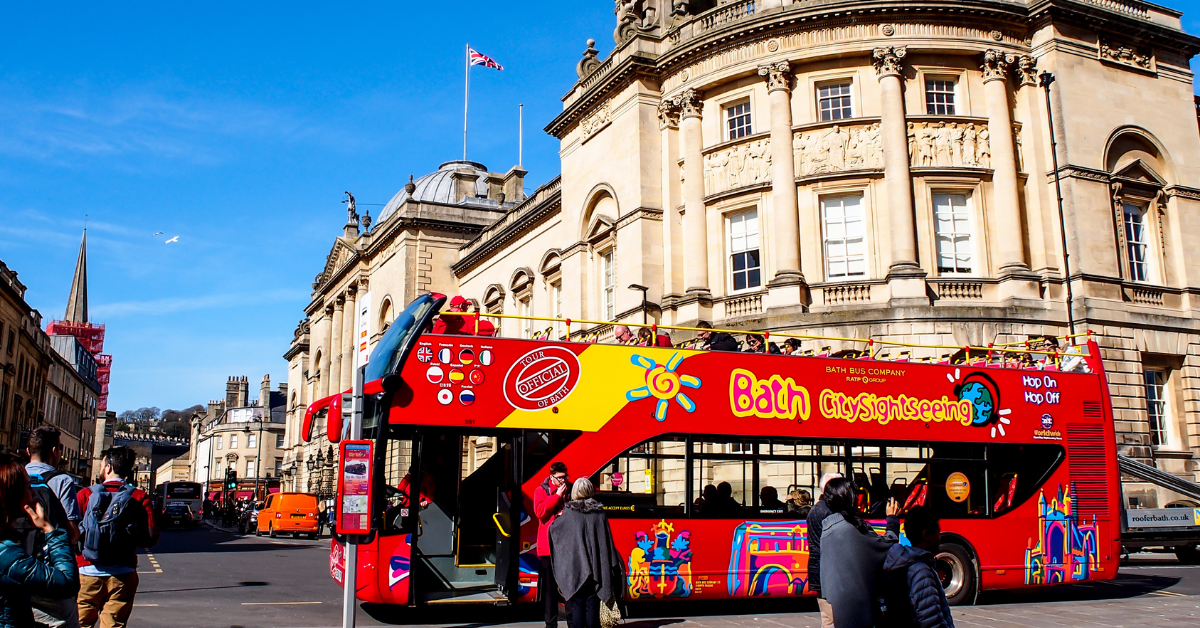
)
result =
(349, 605)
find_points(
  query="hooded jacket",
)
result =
(913, 593)
(547, 503)
(55, 576)
(582, 548)
(851, 568)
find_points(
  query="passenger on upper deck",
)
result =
(455, 324)
(715, 340)
(791, 346)
(622, 335)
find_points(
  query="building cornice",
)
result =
(546, 202)
(635, 66)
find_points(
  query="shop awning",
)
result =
(245, 494)
(273, 489)
(213, 496)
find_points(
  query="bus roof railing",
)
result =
(590, 336)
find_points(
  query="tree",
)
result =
(175, 428)
(147, 415)
(128, 416)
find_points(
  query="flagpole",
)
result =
(466, 98)
(520, 134)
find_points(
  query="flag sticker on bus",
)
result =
(541, 378)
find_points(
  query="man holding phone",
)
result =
(548, 502)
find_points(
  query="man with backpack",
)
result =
(913, 594)
(117, 520)
(55, 491)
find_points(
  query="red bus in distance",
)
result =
(1018, 459)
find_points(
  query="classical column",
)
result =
(695, 227)
(1005, 192)
(349, 337)
(326, 353)
(672, 199)
(905, 277)
(785, 236)
(335, 347)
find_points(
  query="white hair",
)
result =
(582, 489)
(826, 478)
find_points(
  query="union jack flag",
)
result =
(478, 58)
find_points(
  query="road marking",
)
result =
(1167, 594)
(154, 563)
(140, 604)
(1160, 567)
(276, 603)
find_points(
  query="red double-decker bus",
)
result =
(1017, 458)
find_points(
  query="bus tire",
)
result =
(956, 569)
(1188, 555)
(271, 530)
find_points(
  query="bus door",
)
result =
(462, 481)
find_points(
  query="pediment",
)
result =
(600, 226)
(341, 253)
(1137, 170)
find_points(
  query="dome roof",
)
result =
(438, 187)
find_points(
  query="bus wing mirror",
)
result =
(333, 421)
(392, 383)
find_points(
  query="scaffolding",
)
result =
(92, 338)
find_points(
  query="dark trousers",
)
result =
(548, 590)
(584, 611)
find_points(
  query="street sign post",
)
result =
(350, 584)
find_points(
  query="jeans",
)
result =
(548, 590)
(584, 611)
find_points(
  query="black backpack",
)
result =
(23, 532)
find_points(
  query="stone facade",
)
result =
(25, 360)
(247, 436)
(865, 173)
(372, 273)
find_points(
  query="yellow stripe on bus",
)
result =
(607, 374)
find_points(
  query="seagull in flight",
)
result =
(175, 239)
(157, 233)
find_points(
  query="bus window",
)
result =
(761, 474)
(727, 465)
(648, 480)
(1016, 472)
(957, 481)
(541, 449)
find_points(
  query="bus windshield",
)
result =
(388, 356)
(184, 491)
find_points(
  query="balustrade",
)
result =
(846, 294)
(743, 305)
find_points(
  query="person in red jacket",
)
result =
(548, 502)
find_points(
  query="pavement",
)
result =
(216, 578)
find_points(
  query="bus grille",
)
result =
(1093, 410)
(1089, 469)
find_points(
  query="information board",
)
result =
(354, 487)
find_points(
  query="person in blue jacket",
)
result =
(913, 596)
(51, 574)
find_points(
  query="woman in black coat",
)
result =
(587, 567)
(852, 556)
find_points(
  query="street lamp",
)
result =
(645, 303)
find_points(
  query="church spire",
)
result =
(77, 308)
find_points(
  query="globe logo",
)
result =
(982, 400)
(1047, 421)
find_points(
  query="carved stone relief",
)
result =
(668, 114)
(634, 16)
(596, 120)
(1126, 54)
(949, 145)
(837, 149)
(746, 164)
(1027, 70)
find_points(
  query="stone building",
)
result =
(371, 274)
(236, 433)
(71, 398)
(25, 358)
(858, 170)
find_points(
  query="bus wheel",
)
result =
(957, 573)
(271, 530)
(1189, 555)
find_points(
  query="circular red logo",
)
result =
(541, 378)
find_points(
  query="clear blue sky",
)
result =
(237, 127)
